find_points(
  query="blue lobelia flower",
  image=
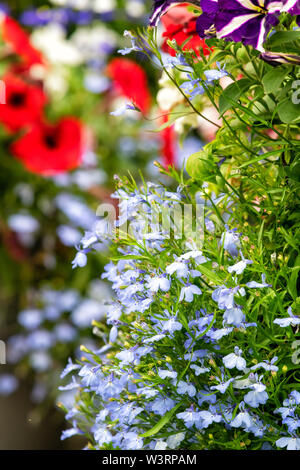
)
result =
(292, 422)
(257, 396)
(206, 418)
(225, 297)
(80, 260)
(134, 46)
(192, 87)
(166, 373)
(223, 384)
(258, 285)
(187, 292)
(179, 267)
(291, 320)
(231, 240)
(128, 412)
(285, 411)
(235, 360)
(158, 282)
(257, 428)
(199, 370)
(291, 443)
(294, 397)
(132, 441)
(70, 367)
(219, 333)
(101, 435)
(267, 365)
(168, 322)
(162, 405)
(215, 74)
(234, 316)
(190, 417)
(242, 419)
(239, 267)
(122, 109)
(184, 387)
(8, 384)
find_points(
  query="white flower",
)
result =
(51, 41)
(93, 42)
(168, 97)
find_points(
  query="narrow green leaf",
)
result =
(209, 274)
(162, 422)
(260, 157)
(292, 282)
(232, 93)
(282, 37)
(273, 79)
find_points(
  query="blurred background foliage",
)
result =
(34, 259)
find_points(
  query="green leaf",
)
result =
(260, 234)
(282, 37)
(288, 111)
(273, 79)
(232, 93)
(293, 171)
(210, 274)
(261, 157)
(292, 282)
(200, 166)
(162, 422)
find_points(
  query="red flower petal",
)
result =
(130, 80)
(168, 144)
(50, 149)
(180, 24)
(24, 103)
(19, 40)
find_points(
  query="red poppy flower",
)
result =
(24, 103)
(130, 80)
(180, 25)
(49, 149)
(19, 40)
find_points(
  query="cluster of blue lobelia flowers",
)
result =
(196, 347)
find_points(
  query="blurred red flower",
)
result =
(180, 24)
(168, 144)
(24, 103)
(130, 80)
(19, 40)
(48, 149)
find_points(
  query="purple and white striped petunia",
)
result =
(248, 21)
(292, 7)
(206, 21)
